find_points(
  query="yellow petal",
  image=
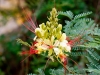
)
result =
(47, 41)
(63, 43)
(56, 43)
(63, 37)
(57, 51)
(68, 48)
(44, 47)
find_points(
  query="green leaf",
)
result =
(22, 42)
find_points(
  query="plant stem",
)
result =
(46, 64)
(65, 73)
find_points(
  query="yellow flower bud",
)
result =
(54, 31)
(58, 34)
(48, 23)
(42, 26)
(38, 32)
(59, 28)
(56, 19)
(45, 34)
(54, 11)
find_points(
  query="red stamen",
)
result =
(32, 51)
(30, 19)
(32, 30)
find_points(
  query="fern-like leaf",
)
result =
(82, 15)
(69, 14)
(78, 53)
(93, 54)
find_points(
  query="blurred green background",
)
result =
(11, 28)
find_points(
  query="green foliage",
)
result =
(82, 15)
(70, 71)
(90, 32)
(56, 72)
(79, 25)
(68, 14)
(22, 42)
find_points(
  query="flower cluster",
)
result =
(50, 39)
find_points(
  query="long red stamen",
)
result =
(29, 18)
(29, 28)
(32, 25)
(29, 52)
(34, 19)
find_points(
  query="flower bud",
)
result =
(48, 23)
(54, 11)
(56, 19)
(42, 26)
(38, 32)
(58, 35)
(54, 31)
(59, 28)
(45, 34)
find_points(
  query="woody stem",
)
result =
(64, 70)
